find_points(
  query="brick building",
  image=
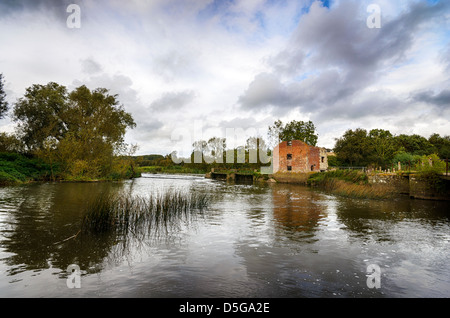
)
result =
(297, 156)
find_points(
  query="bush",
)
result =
(22, 168)
(7, 179)
(423, 165)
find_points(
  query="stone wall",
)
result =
(414, 186)
(399, 183)
(434, 189)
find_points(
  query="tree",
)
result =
(441, 145)
(3, 102)
(353, 147)
(9, 143)
(382, 146)
(217, 149)
(257, 150)
(413, 144)
(83, 129)
(41, 114)
(294, 130)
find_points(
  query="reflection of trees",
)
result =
(377, 219)
(43, 215)
(295, 210)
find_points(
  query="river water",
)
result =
(277, 241)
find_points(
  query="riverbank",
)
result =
(17, 169)
(356, 184)
(169, 170)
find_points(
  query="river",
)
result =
(274, 240)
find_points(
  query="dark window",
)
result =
(289, 168)
(312, 168)
(289, 157)
(323, 159)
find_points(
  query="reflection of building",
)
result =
(297, 156)
(295, 208)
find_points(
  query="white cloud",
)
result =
(174, 62)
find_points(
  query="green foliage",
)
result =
(349, 183)
(405, 159)
(40, 114)
(3, 102)
(294, 130)
(353, 148)
(344, 175)
(430, 164)
(381, 149)
(10, 143)
(333, 161)
(413, 144)
(441, 145)
(81, 131)
(17, 168)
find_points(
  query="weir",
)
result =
(231, 177)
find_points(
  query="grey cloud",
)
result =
(90, 66)
(56, 8)
(173, 64)
(149, 125)
(315, 92)
(444, 57)
(121, 85)
(332, 56)
(266, 90)
(441, 99)
(173, 100)
(373, 104)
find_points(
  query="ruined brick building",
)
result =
(297, 156)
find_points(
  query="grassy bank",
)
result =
(17, 169)
(349, 183)
(170, 169)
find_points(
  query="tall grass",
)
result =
(359, 191)
(141, 216)
(352, 184)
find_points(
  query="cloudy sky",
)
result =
(202, 66)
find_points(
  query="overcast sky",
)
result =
(204, 66)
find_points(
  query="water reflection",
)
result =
(253, 241)
(40, 216)
(296, 211)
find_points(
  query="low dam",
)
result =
(232, 177)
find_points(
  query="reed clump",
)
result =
(141, 216)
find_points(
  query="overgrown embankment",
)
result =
(349, 183)
(170, 169)
(17, 168)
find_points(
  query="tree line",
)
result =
(380, 148)
(252, 155)
(76, 134)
